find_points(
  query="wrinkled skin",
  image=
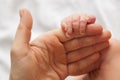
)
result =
(51, 56)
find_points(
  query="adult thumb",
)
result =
(23, 33)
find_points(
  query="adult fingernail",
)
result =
(21, 13)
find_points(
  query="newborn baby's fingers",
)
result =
(91, 19)
(67, 26)
(83, 24)
(76, 24)
(72, 24)
(84, 20)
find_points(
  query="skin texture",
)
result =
(54, 56)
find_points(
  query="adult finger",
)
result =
(23, 33)
(92, 29)
(78, 43)
(78, 67)
(87, 51)
(87, 70)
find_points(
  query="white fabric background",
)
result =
(47, 15)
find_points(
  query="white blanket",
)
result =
(47, 15)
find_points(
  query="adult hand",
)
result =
(110, 66)
(51, 56)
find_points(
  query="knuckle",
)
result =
(83, 21)
(63, 23)
(75, 18)
(22, 27)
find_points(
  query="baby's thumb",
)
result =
(23, 33)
